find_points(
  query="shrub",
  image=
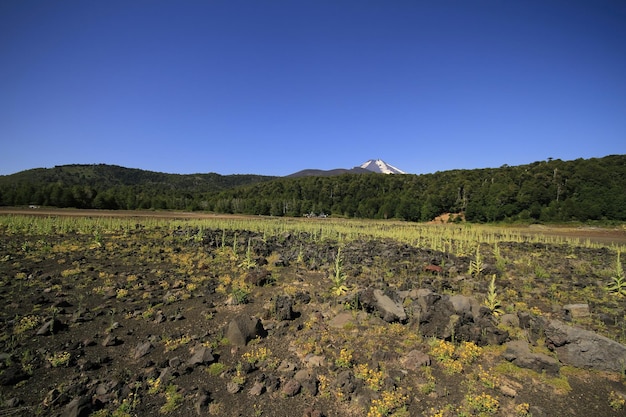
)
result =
(59, 359)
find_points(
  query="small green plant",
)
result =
(453, 358)
(300, 258)
(27, 246)
(482, 404)
(441, 350)
(240, 376)
(216, 369)
(618, 280)
(121, 293)
(488, 379)
(616, 401)
(345, 358)
(127, 406)
(355, 304)
(235, 245)
(173, 399)
(240, 295)
(492, 302)
(173, 344)
(198, 237)
(468, 352)
(26, 323)
(522, 410)
(554, 293)
(97, 239)
(154, 385)
(427, 387)
(256, 355)
(500, 260)
(430, 384)
(390, 403)
(70, 272)
(338, 287)
(59, 359)
(373, 378)
(26, 360)
(541, 273)
(248, 262)
(477, 265)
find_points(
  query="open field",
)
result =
(579, 235)
(111, 313)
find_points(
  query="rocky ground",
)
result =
(149, 321)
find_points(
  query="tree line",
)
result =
(552, 190)
(102, 186)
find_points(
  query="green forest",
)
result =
(102, 186)
(544, 191)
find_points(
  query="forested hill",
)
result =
(553, 190)
(114, 187)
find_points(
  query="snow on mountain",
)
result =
(377, 166)
(380, 166)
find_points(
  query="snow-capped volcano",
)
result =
(377, 166)
(380, 166)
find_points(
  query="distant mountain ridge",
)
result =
(328, 173)
(105, 186)
(98, 175)
(377, 166)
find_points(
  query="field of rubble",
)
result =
(145, 315)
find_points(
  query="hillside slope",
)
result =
(553, 190)
(114, 187)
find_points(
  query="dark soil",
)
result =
(175, 290)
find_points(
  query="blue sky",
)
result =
(272, 87)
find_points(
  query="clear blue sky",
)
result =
(272, 87)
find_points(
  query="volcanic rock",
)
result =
(243, 329)
(584, 348)
(518, 352)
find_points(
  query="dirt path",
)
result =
(606, 235)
